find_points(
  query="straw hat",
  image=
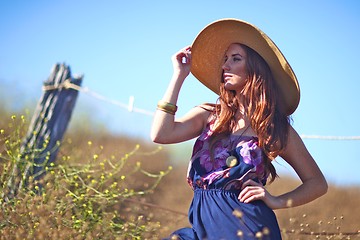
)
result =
(210, 46)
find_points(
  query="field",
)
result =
(333, 216)
(115, 187)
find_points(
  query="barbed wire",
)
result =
(330, 137)
(130, 107)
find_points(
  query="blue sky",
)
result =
(123, 48)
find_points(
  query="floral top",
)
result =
(235, 159)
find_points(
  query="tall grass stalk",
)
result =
(77, 198)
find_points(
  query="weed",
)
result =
(82, 199)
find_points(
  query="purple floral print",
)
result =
(251, 153)
(220, 155)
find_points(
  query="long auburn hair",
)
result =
(260, 102)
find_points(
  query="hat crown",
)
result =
(212, 42)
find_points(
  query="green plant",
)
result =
(89, 198)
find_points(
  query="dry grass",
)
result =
(332, 216)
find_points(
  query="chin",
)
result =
(229, 87)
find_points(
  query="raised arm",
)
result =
(165, 128)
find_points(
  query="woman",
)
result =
(240, 135)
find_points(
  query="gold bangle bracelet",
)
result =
(167, 107)
(166, 110)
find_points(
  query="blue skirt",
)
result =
(218, 214)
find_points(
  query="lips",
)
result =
(227, 76)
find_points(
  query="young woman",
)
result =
(239, 136)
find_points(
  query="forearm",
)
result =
(305, 193)
(164, 123)
(313, 184)
(164, 126)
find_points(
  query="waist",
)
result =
(202, 191)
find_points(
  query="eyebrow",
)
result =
(237, 54)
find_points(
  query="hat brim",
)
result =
(212, 42)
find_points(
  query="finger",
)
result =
(188, 48)
(244, 193)
(182, 57)
(253, 197)
(187, 58)
(251, 193)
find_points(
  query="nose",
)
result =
(225, 66)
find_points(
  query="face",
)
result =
(234, 67)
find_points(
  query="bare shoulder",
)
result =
(296, 153)
(207, 111)
(201, 113)
(191, 124)
(294, 143)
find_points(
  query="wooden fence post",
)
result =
(47, 127)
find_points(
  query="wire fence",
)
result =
(131, 108)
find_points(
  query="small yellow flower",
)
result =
(266, 231)
(237, 213)
(259, 235)
(289, 203)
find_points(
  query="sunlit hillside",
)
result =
(116, 187)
